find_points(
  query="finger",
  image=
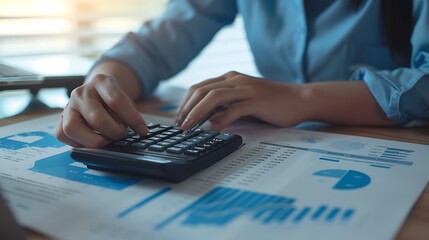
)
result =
(201, 93)
(213, 100)
(76, 129)
(121, 104)
(99, 119)
(217, 114)
(190, 93)
(60, 135)
(232, 113)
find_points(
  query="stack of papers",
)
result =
(283, 183)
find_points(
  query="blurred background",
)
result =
(88, 27)
(84, 27)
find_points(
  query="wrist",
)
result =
(309, 102)
(349, 103)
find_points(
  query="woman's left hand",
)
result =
(241, 95)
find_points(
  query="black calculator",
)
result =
(165, 153)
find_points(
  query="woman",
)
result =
(353, 62)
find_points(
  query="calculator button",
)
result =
(121, 143)
(199, 130)
(181, 146)
(217, 140)
(194, 140)
(140, 145)
(200, 149)
(156, 139)
(176, 130)
(175, 150)
(188, 143)
(165, 144)
(148, 141)
(209, 134)
(207, 145)
(130, 139)
(224, 137)
(157, 148)
(162, 135)
(156, 130)
(168, 133)
(177, 138)
(192, 152)
(152, 125)
(200, 138)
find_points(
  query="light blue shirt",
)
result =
(329, 41)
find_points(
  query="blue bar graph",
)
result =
(286, 213)
(400, 155)
(301, 214)
(331, 216)
(222, 205)
(348, 214)
(319, 212)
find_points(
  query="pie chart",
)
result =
(345, 179)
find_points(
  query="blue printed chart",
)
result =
(60, 165)
(382, 157)
(63, 166)
(288, 184)
(347, 179)
(36, 139)
(223, 205)
(347, 145)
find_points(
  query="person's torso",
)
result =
(321, 40)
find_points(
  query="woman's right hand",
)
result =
(98, 113)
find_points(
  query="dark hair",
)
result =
(398, 23)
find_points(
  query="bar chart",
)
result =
(222, 205)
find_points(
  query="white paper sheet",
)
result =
(282, 183)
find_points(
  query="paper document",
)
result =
(282, 184)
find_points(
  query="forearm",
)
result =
(122, 74)
(345, 103)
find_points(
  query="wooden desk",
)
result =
(415, 227)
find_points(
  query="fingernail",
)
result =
(176, 122)
(179, 119)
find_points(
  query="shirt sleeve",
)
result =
(403, 93)
(164, 46)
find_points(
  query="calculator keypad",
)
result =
(165, 153)
(172, 141)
